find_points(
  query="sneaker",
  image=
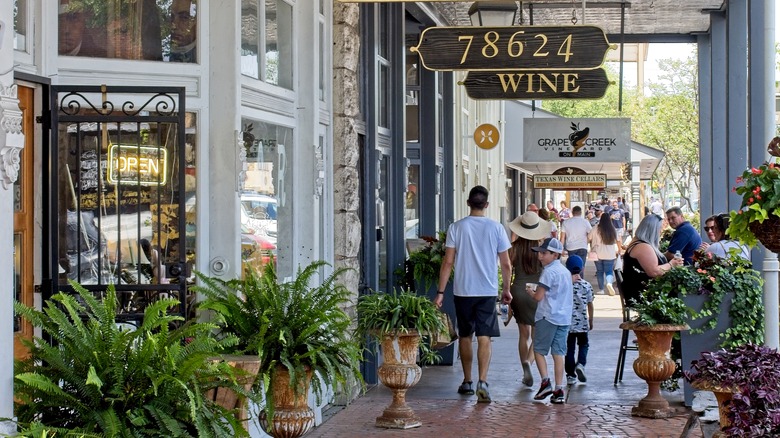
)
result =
(610, 290)
(600, 292)
(466, 388)
(528, 378)
(558, 397)
(545, 389)
(580, 370)
(571, 380)
(483, 395)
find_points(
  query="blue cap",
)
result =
(574, 264)
(550, 244)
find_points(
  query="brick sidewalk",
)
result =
(468, 419)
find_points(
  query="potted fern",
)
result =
(97, 378)
(399, 321)
(300, 333)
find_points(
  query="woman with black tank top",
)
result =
(643, 260)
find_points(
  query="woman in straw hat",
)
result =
(529, 229)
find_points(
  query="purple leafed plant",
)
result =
(755, 371)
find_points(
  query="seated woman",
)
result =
(715, 227)
(643, 260)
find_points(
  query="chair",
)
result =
(624, 345)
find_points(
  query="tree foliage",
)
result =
(666, 119)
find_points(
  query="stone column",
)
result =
(346, 146)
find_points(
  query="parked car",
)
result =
(258, 212)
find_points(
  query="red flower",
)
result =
(701, 271)
(739, 211)
(756, 171)
(739, 179)
(757, 190)
(758, 196)
(750, 201)
(771, 165)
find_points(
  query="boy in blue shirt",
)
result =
(581, 322)
(553, 316)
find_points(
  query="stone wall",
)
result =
(346, 151)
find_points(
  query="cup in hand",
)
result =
(530, 287)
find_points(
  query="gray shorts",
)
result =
(548, 336)
(477, 315)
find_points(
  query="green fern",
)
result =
(300, 325)
(400, 311)
(97, 379)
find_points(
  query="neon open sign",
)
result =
(137, 165)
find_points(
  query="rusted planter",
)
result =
(722, 395)
(292, 416)
(399, 372)
(654, 365)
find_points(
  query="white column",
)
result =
(762, 129)
(223, 145)
(306, 207)
(11, 144)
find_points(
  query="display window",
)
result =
(267, 41)
(265, 213)
(154, 30)
(119, 201)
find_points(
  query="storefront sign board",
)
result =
(586, 140)
(576, 84)
(536, 48)
(571, 182)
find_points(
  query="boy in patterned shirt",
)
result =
(581, 323)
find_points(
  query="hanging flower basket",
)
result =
(768, 232)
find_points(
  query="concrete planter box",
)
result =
(694, 344)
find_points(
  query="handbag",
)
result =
(445, 337)
(593, 256)
(618, 263)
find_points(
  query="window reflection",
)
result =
(154, 30)
(266, 52)
(119, 201)
(20, 24)
(264, 204)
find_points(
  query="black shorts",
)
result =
(477, 315)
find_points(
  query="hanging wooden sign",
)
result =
(534, 48)
(576, 84)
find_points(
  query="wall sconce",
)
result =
(493, 13)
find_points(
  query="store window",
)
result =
(20, 25)
(265, 213)
(266, 41)
(119, 201)
(155, 30)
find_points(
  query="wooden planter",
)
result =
(248, 366)
(654, 365)
(399, 372)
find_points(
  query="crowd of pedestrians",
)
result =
(542, 267)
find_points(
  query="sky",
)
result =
(678, 51)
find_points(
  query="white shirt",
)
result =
(657, 208)
(722, 248)
(477, 241)
(576, 229)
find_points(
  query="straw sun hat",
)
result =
(530, 226)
